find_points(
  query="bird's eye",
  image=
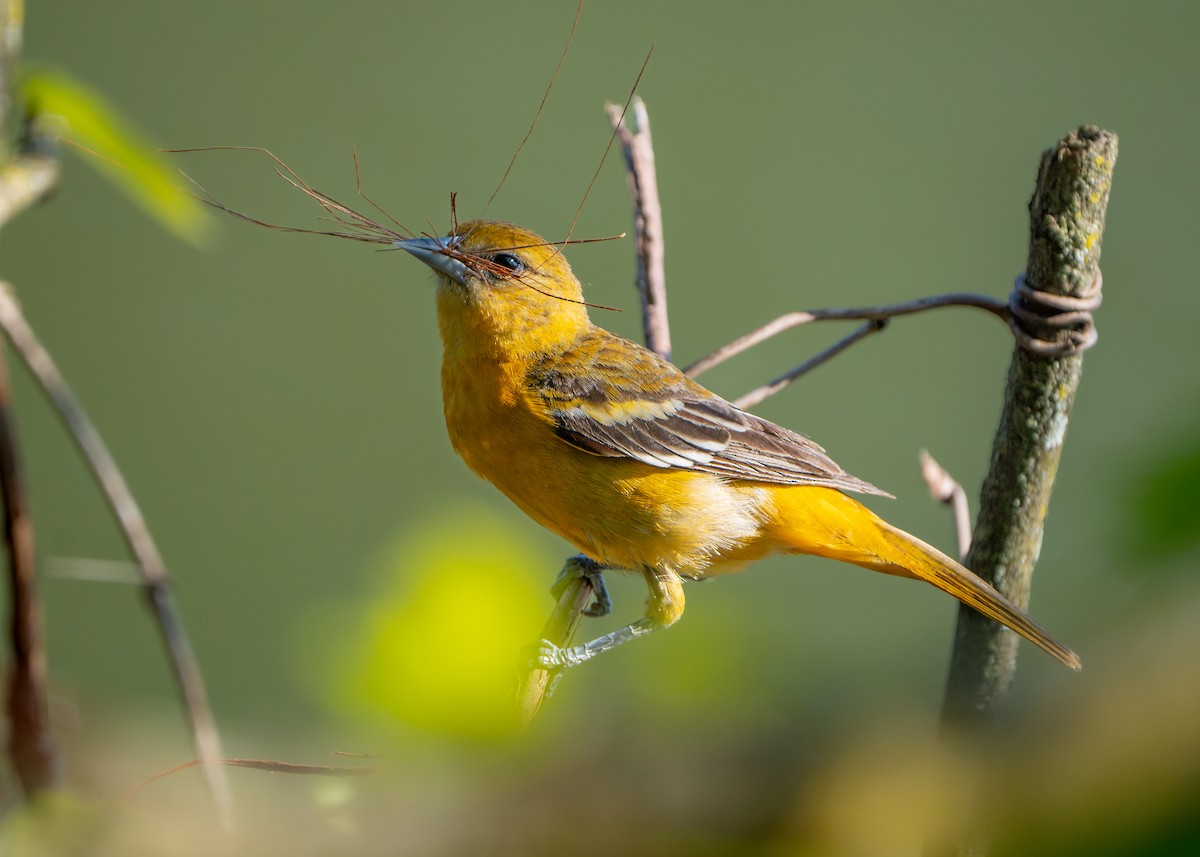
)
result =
(509, 262)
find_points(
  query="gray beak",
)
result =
(431, 251)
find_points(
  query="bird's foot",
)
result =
(548, 656)
(551, 657)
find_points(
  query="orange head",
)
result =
(502, 286)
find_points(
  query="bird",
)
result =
(641, 468)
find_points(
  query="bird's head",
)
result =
(501, 280)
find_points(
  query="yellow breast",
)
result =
(621, 512)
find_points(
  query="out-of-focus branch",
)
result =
(155, 578)
(536, 683)
(27, 176)
(31, 745)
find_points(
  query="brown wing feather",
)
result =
(611, 397)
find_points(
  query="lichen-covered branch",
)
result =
(1066, 216)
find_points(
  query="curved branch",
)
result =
(770, 388)
(996, 307)
(155, 578)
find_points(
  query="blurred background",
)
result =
(350, 586)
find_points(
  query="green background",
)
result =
(273, 398)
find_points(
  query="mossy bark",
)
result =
(1066, 215)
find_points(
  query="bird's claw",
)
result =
(601, 601)
(581, 566)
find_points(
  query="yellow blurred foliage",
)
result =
(439, 644)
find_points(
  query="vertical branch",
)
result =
(647, 223)
(31, 746)
(574, 596)
(1052, 325)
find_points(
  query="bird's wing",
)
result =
(611, 397)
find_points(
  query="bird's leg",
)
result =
(663, 608)
(583, 566)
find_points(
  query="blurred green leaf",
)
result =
(121, 153)
(439, 645)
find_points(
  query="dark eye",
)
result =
(509, 262)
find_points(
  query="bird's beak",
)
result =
(432, 251)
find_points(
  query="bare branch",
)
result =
(996, 307)
(944, 488)
(31, 745)
(28, 176)
(271, 766)
(647, 223)
(137, 536)
(772, 387)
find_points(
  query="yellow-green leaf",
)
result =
(120, 152)
(440, 644)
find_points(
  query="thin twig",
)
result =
(944, 488)
(93, 570)
(271, 766)
(995, 306)
(647, 223)
(752, 398)
(137, 535)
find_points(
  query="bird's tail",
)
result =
(825, 522)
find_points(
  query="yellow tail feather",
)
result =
(931, 565)
(825, 522)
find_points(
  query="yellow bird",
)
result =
(641, 468)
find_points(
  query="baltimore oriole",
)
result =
(640, 467)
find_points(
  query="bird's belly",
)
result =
(621, 512)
